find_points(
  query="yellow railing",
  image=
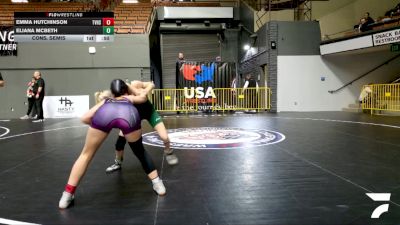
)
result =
(217, 99)
(381, 97)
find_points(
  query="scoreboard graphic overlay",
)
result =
(64, 26)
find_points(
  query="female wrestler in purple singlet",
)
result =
(120, 113)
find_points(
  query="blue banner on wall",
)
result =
(205, 74)
(199, 79)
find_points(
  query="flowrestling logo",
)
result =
(215, 138)
(380, 197)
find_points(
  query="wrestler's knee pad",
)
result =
(120, 144)
(144, 158)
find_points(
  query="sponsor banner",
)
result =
(205, 74)
(8, 46)
(387, 37)
(65, 106)
(198, 79)
(215, 138)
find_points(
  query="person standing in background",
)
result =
(1, 81)
(232, 100)
(178, 78)
(181, 57)
(39, 92)
(31, 101)
(250, 90)
(178, 66)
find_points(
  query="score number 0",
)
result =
(108, 21)
(108, 26)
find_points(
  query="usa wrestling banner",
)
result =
(8, 47)
(199, 79)
(205, 74)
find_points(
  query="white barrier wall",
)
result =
(300, 87)
(304, 81)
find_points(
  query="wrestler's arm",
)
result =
(139, 87)
(148, 87)
(87, 117)
(135, 87)
(137, 99)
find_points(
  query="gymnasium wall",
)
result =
(300, 87)
(291, 38)
(298, 38)
(246, 14)
(230, 46)
(68, 69)
(262, 17)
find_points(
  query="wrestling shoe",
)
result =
(24, 117)
(159, 188)
(171, 158)
(114, 167)
(66, 200)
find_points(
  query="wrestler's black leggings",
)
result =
(120, 144)
(144, 158)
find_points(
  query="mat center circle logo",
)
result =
(215, 138)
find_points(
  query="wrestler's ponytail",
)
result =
(97, 96)
(101, 95)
